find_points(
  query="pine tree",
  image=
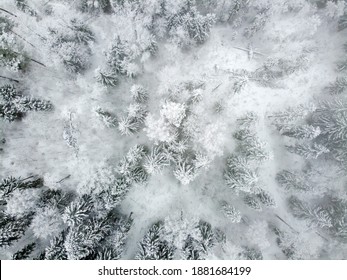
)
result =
(9, 92)
(107, 118)
(314, 216)
(106, 78)
(153, 247)
(117, 57)
(24, 7)
(84, 239)
(185, 172)
(338, 87)
(56, 249)
(266, 198)
(252, 202)
(139, 94)
(155, 161)
(293, 181)
(248, 120)
(138, 112)
(231, 212)
(257, 24)
(25, 252)
(78, 210)
(308, 151)
(292, 114)
(81, 32)
(12, 228)
(239, 175)
(252, 254)
(128, 126)
(207, 237)
(251, 146)
(191, 249)
(300, 132)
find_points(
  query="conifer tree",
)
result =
(338, 87)
(252, 254)
(139, 93)
(239, 175)
(107, 118)
(56, 249)
(231, 212)
(155, 161)
(266, 198)
(293, 181)
(185, 172)
(314, 216)
(153, 247)
(308, 151)
(252, 202)
(13, 228)
(300, 131)
(106, 78)
(24, 253)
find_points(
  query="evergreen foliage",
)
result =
(153, 247)
(308, 151)
(106, 78)
(107, 118)
(290, 180)
(24, 253)
(239, 175)
(314, 216)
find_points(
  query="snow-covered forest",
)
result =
(173, 129)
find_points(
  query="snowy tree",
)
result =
(137, 111)
(78, 210)
(47, 222)
(25, 252)
(15, 105)
(139, 93)
(13, 228)
(185, 172)
(107, 118)
(292, 114)
(257, 24)
(159, 130)
(300, 131)
(173, 112)
(251, 254)
(293, 181)
(251, 146)
(308, 151)
(155, 161)
(266, 198)
(248, 120)
(338, 87)
(128, 126)
(153, 247)
(56, 249)
(82, 239)
(106, 78)
(22, 201)
(314, 216)
(70, 133)
(190, 22)
(239, 175)
(231, 213)
(331, 117)
(253, 202)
